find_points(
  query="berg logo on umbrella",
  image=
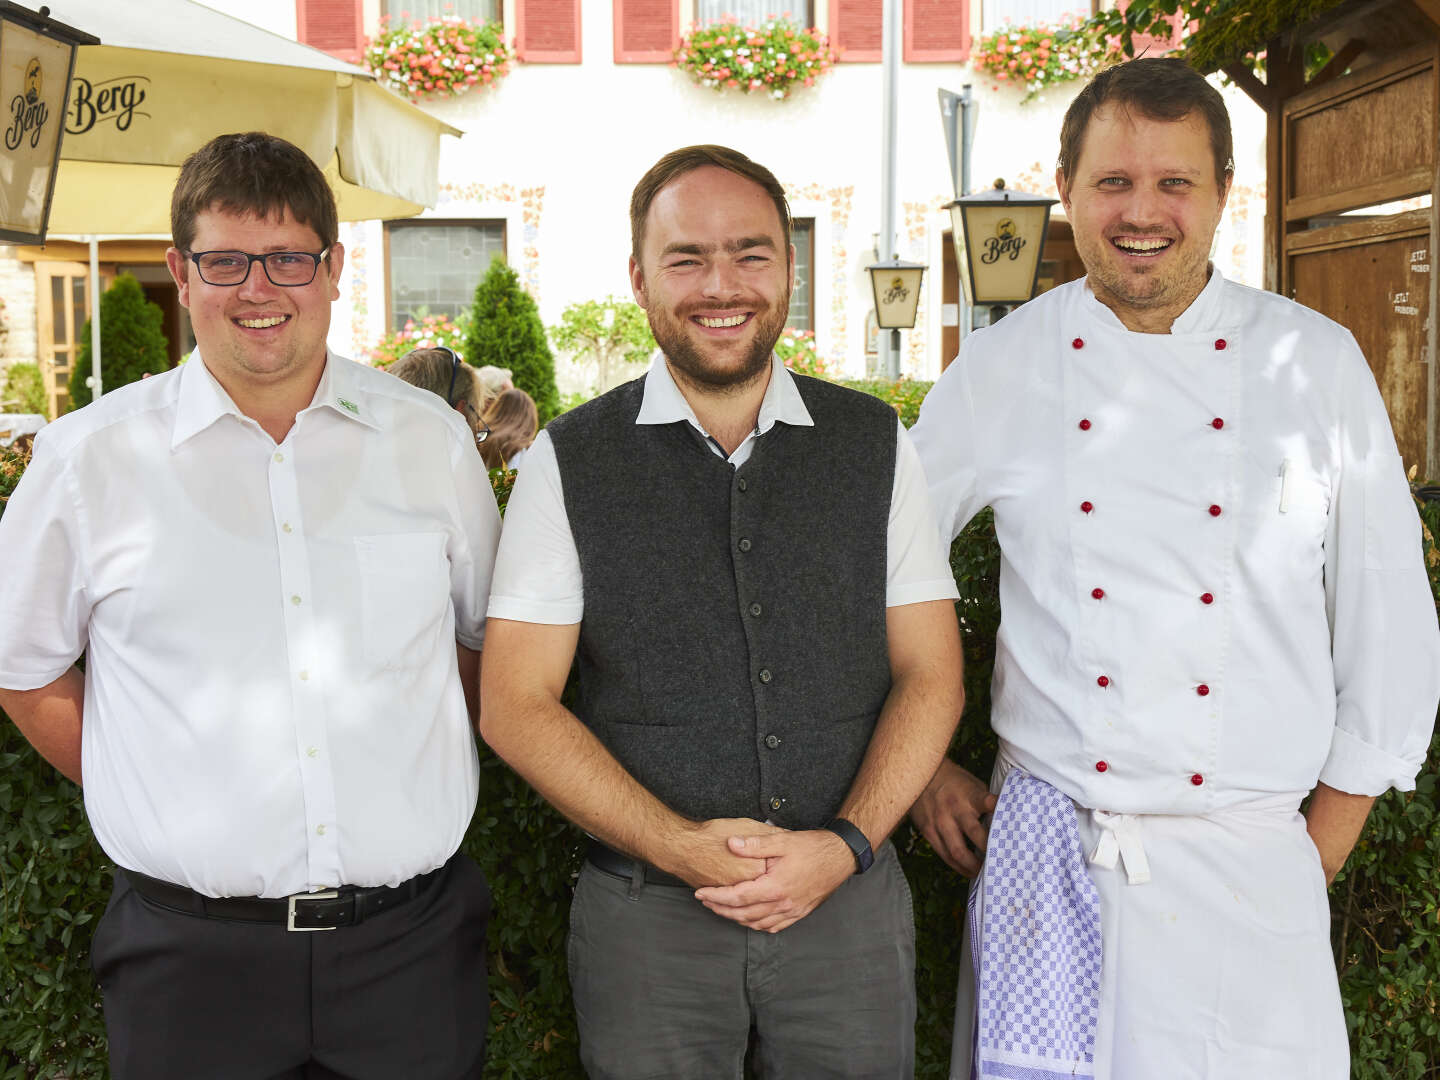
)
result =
(114, 99)
(28, 112)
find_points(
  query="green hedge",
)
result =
(55, 882)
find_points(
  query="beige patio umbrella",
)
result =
(170, 75)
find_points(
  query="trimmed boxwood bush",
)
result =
(132, 341)
(54, 883)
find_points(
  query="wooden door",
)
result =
(62, 294)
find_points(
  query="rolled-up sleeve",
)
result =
(44, 604)
(1384, 638)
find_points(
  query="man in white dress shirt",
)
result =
(273, 558)
(744, 564)
(1213, 600)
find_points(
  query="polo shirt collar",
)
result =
(202, 400)
(662, 402)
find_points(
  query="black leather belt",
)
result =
(329, 909)
(623, 866)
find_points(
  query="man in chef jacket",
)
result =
(1214, 605)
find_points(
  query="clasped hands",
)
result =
(762, 876)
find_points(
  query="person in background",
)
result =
(441, 371)
(513, 423)
(495, 380)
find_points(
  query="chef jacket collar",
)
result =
(202, 400)
(663, 403)
(1205, 313)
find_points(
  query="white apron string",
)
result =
(1120, 836)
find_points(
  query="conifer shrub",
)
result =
(506, 331)
(132, 343)
(24, 390)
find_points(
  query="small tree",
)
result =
(505, 330)
(612, 332)
(24, 390)
(131, 340)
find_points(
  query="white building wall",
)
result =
(17, 289)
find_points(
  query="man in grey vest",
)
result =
(769, 667)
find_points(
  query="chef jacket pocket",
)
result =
(404, 594)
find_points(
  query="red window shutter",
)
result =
(332, 26)
(1157, 44)
(548, 31)
(856, 28)
(937, 30)
(646, 31)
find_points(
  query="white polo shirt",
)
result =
(537, 573)
(272, 703)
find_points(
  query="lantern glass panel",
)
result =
(1003, 244)
(34, 72)
(897, 295)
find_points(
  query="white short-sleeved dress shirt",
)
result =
(537, 572)
(272, 703)
(1211, 577)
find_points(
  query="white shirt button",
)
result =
(312, 751)
(286, 527)
(295, 600)
(279, 456)
(304, 675)
(319, 830)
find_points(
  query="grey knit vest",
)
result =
(732, 652)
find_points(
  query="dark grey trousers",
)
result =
(666, 989)
(401, 995)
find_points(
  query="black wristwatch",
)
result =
(855, 841)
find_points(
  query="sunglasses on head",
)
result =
(484, 432)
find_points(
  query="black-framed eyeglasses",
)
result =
(484, 432)
(288, 269)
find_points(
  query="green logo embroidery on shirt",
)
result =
(348, 405)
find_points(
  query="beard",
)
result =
(710, 371)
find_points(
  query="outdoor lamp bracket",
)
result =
(999, 238)
(37, 60)
(896, 285)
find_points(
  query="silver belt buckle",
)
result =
(328, 894)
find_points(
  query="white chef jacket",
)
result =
(537, 572)
(272, 703)
(1211, 575)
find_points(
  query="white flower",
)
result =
(729, 52)
(777, 94)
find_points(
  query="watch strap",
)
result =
(855, 840)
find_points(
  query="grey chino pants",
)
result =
(666, 989)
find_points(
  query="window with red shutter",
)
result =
(646, 31)
(937, 30)
(548, 31)
(332, 26)
(856, 28)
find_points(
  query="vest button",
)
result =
(755, 610)
(776, 802)
(741, 483)
(765, 675)
(744, 544)
(772, 741)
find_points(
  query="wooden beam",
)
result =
(1404, 185)
(1430, 9)
(1284, 76)
(1245, 79)
(1339, 63)
(1360, 230)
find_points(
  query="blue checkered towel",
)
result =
(1038, 959)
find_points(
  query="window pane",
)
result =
(82, 305)
(62, 360)
(802, 297)
(749, 12)
(434, 268)
(425, 10)
(57, 308)
(997, 13)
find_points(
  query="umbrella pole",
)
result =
(95, 384)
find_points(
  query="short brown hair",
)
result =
(1160, 88)
(252, 173)
(430, 369)
(687, 159)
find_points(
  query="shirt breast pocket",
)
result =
(405, 595)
